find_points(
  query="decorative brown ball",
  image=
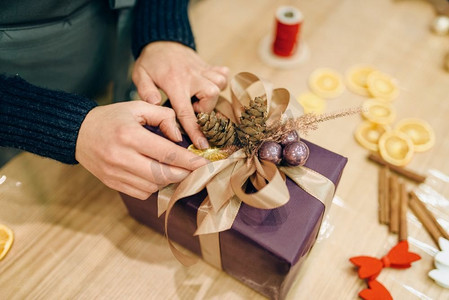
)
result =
(290, 137)
(271, 151)
(296, 154)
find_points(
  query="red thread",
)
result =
(287, 33)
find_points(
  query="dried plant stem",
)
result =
(304, 123)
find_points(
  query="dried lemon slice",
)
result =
(381, 85)
(6, 239)
(368, 134)
(356, 78)
(312, 103)
(378, 112)
(326, 83)
(212, 153)
(396, 148)
(421, 133)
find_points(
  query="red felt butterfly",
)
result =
(399, 257)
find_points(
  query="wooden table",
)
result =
(74, 238)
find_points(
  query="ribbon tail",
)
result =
(312, 182)
(164, 196)
(210, 221)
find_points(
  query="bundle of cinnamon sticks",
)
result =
(394, 200)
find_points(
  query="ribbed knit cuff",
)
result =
(161, 21)
(41, 121)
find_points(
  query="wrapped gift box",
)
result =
(263, 249)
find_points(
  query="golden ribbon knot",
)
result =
(225, 180)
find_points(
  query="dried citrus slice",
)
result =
(368, 134)
(312, 103)
(212, 153)
(326, 83)
(421, 133)
(396, 147)
(356, 79)
(379, 112)
(6, 239)
(381, 85)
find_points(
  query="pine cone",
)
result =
(253, 123)
(219, 131)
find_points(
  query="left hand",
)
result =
(180, 72)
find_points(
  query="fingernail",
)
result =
(203, 143)
(178, 134)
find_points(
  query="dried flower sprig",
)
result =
(305, 123)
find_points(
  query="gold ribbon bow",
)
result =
(225, 180)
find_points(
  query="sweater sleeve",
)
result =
(40, 121)
(161, 20)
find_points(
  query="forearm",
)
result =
(40, 121)
(161, 21)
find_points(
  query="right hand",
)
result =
(114, 146)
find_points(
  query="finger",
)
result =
(159, 116)
(166, 152)
(141, 170)
(217, 78)
(221, 69)
(207, 94)
(186, 116)
(133, 191)
(145, 87)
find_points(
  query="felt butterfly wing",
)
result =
(369, 267)
(376, 291)
(400, 257)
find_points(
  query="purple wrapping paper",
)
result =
(263, 249)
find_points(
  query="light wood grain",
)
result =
(75, 240)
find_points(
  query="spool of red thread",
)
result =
(288, 28)
(284, 48)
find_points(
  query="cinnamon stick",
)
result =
(394, 203)
(382, 195)
(426, 218)
(399, 170)
(403, 206)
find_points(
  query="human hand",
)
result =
(181, 74)
(114, 146)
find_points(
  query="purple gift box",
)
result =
(264, 249)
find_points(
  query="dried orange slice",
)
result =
(396, 148)
(212, 153)
(381, 85)
(378, 112)
(6, 239)
(312, 103)
(326, 83)
(356, 78)
(421, 133)
(368, 134)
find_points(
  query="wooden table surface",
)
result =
(75, 240)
